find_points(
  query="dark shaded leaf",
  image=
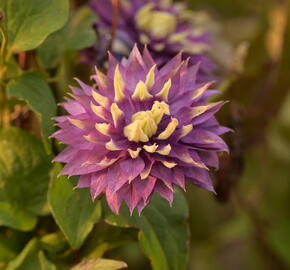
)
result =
(37, 93)
(24, 177)
(76, 35)
(31, 258)
(73, 209)
(164, 232)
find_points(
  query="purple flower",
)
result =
(166, 28)
(140, 130)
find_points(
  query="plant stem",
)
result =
(22, 59)
(115, 20)
(4, 108)
(3, 48)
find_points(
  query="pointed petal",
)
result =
(114, 201)
(169, 164)
(178, 177)
(100, 78)
(66, 155)
(192, 158)
(150, 148)
(99, 111)
(145, 187)
(112, 146)
(169, 130)
(164, 150)
(203, 139)
(84, 181)
(132, 167)
(163, 94)
(103, 101)
(134, 153)
(164, 174)
(131, 197)
(98, 183)
(164, 192)
(141, 93)
(147, 169)
(103, 128)
(117, 113)
(184, 131)
(119, 85)
(148, 60)
(150, 78)
(199, 177)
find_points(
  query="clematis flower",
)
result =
(140, 130)
(166, 28)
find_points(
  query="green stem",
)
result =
(115, 4)
(3, 48)
(4, 108)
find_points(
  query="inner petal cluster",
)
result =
(144, 123)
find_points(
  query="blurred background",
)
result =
(246, 225)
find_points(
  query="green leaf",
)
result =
(164, 231)
(76, 35)
(24, 178)
(14, 217)
(6, 253)
(79, 32)
(31, 258)
(54, 242)
(100, 264)
(31, 88)
(27, 258)
(11, 243)
(73, 209)
(45, 264)
(13, 69)
(105, 237)
(29, 22)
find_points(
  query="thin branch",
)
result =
(115, 20)
(22, 59)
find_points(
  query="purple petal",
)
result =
(84, 181)
(164, 192)
(132, 167)
(98, 183)
(145, 186)
(199, 177)
(114, 200)
(203, 139)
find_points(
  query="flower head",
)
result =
(140, 130)
(166, 28)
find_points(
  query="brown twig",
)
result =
(22, 59)
(115, 20)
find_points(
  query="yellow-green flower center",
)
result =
(145, 123)
(158, 23)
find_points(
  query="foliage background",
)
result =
(245, 226)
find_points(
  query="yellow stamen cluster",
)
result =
(145, 123)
